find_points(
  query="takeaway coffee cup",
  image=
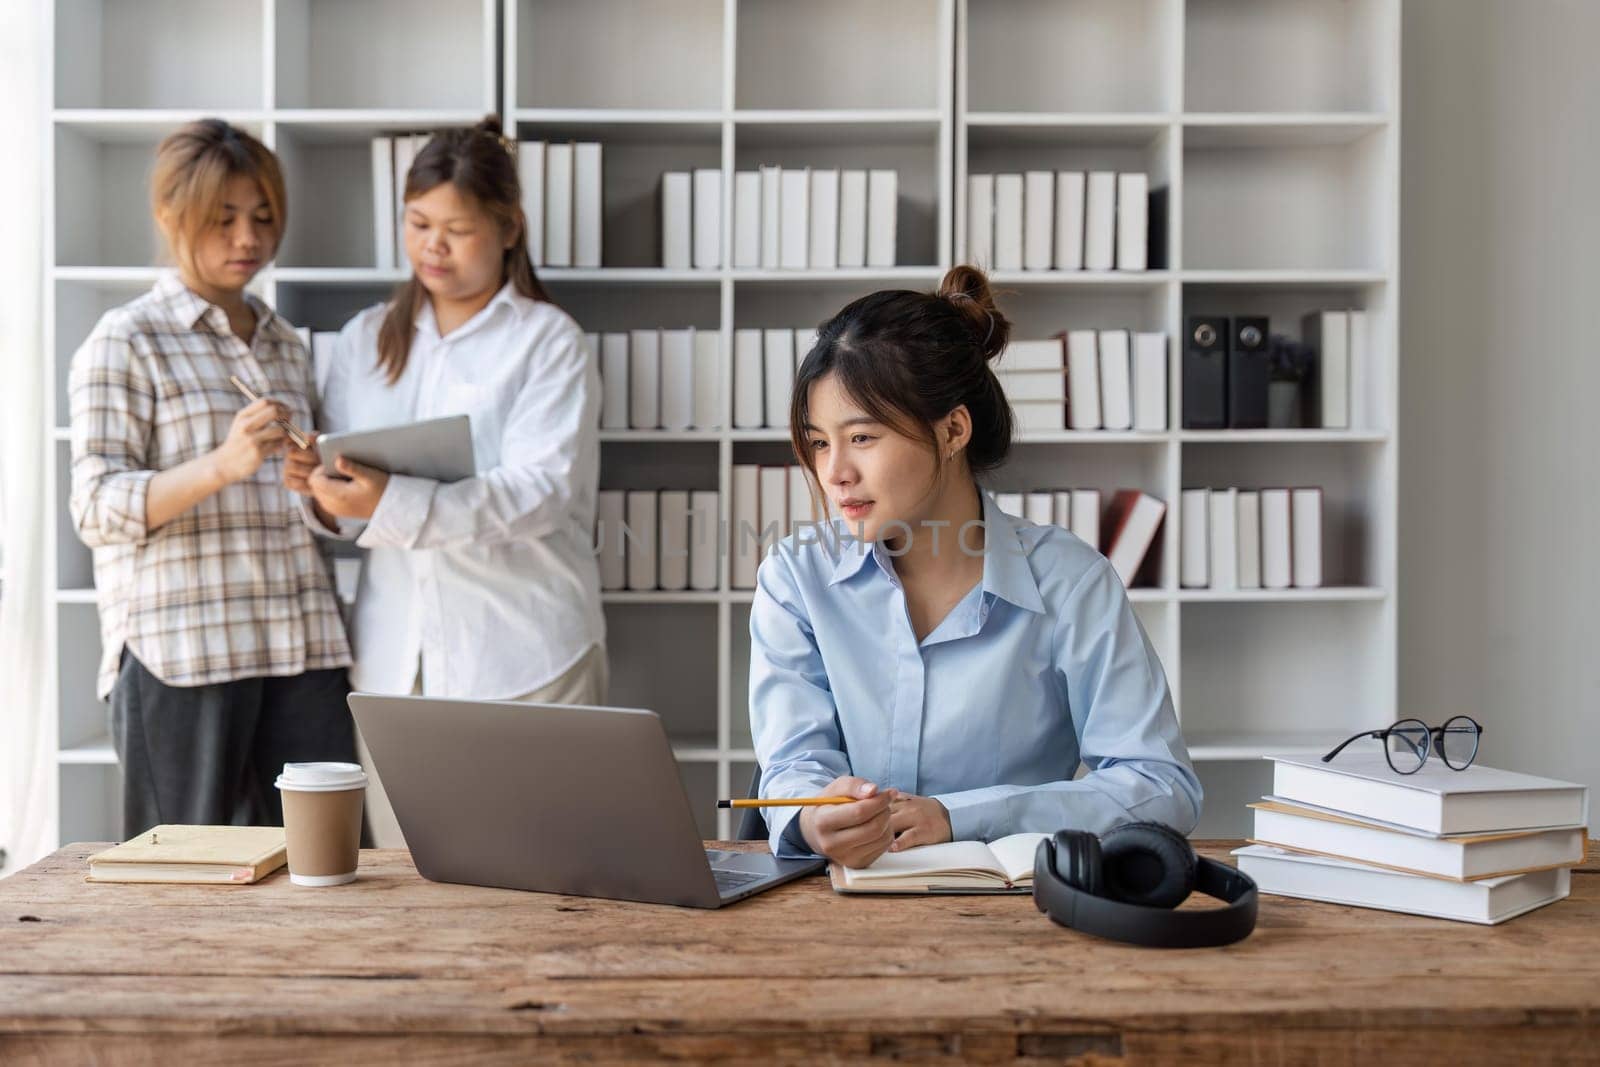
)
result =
(322, 820)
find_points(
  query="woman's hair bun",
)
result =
(966, 288)
(490, 125)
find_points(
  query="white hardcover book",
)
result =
(1008, 238)
(1011, 503)
(1247, 526)
(771, 217)
(614, 392)
(1100, 221)
(747, 219)
(643, 542)
(1083, 380)
(1133, 221)
(794, 243)
(1035, 356)
(1039, 508)
(677, 379)
(1435, 799)
(1038, 219)
(778, 364)
(405, 152)
(824, 214)
(1116, 380)
(674, 523)
(980, 220)
(1069, 219)
(749, 393)
(883, 205)
(383, 213)
(1305, 524)
(707, 219)
(1459, 858)
(644, 379)
(1031, 386)
(1329, 333)
(703, 540)
(586, 208)
(1335, 881)
(611, 518)
(1038, 416)
(802, 504)
(1149, 382)
(1194, 551)
(1061, 512)
(677, 220)
(1359, 371)
(774, 507)
(805, 339)
(530, 176)
(1086, 516)
(852, 218)
(324, 343)
(745, 525)
(1223, 540)
(558, 194)
(1275, 542)
(707, 406)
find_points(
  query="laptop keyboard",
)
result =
(730, 881)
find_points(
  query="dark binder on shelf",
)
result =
(1205, 373)
(1248, 363)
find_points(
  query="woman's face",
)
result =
(872, 474)
(238, 242)
(456, 247)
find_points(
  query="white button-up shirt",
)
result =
(490, 581)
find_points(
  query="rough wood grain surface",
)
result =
(394, 966)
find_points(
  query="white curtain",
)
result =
(27, 736)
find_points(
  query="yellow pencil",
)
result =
(785, 802)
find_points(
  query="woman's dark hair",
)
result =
(909, 359)
(481, 163)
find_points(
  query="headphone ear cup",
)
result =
(1148, 864)
(1077, 861)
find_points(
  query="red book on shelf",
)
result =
(1133, 520)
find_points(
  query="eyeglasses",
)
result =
(1406, 743)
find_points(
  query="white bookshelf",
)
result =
(1294, 103)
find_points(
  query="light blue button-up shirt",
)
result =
(1042, 665)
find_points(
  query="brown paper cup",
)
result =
(322, 821)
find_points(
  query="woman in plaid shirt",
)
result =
(224, 652)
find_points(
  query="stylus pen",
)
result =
(295, 433)
(785, 802)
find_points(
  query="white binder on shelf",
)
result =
(644, 379)
(980, 220)
(587, 211)
(749, 392)
(824, 215)
(643, 545)
(771, 217)
(383, 203)
(1069, 219)
(883, 205)
(615, 396)
(530, 175)
(747, 220)
(707, 219)
(707, 406)
(611, 515)
(674, 522)
(1116, 380)
(1008, 196)
(1100, 221)
(703, 541)
(1083, 380)
(558, 179)
(677, 225)
(778, 368)
(677, 379)
(1038, 219)
(1133, 221)
(794, 243)
(852, 218)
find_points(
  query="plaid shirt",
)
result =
(235, 587)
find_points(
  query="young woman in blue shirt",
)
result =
(947, 665)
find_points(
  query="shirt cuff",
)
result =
(401, 511)
(788, 843)
(125, 513)
(345, 530)
(975, 814)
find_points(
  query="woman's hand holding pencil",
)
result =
(848, 823)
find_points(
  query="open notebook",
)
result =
(1003, 866)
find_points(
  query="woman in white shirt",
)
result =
(485, 588)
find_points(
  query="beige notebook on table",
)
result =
(221, 855)
(1002, 866)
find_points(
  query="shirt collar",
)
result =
(1006, 573)
(190, 309)
(507, 297)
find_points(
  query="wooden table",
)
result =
(397, 967)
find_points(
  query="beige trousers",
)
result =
(585, 682)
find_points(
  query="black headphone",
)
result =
(1123, 886)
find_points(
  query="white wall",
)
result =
(1500, 377)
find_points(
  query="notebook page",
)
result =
(1015, 854)
(952, 856)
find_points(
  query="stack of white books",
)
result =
(659, 379)
(764, 365)
(1087, 380)
(561, 200)
(769, 504)
(1232, 539)
(648, 540)
(1480, 845)
(1067, 220)
(784, 218)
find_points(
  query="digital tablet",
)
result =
(440, 449)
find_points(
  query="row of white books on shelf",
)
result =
(1124, 532)
(767, 504)
(1066, 220)
(659, 379)
(648, 539)
(784, 218)
(764, 367)
(1250, 538)
(1087, 380)
(1477, 845)
(562, 201)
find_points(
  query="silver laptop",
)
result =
(555, 798)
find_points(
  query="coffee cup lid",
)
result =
(322, 777)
